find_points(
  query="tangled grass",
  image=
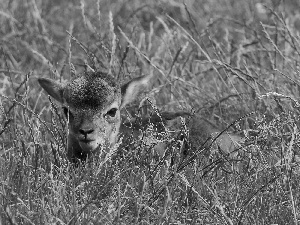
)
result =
(234, 62)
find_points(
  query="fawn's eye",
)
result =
(112, 112)
(67, 113)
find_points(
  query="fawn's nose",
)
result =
(85, 132)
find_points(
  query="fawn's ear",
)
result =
(53, 88)
(131, 89)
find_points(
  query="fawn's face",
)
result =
(92, 108)
(93, 128)
(91, 103)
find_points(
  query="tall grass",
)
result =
(236, 63)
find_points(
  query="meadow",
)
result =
(235, 63)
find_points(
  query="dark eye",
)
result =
(112, 112)
(67, 113)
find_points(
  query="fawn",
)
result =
(92, 102)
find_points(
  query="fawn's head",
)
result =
(91, 103)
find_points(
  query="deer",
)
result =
(92, 103)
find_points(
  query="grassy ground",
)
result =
(234, 62)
